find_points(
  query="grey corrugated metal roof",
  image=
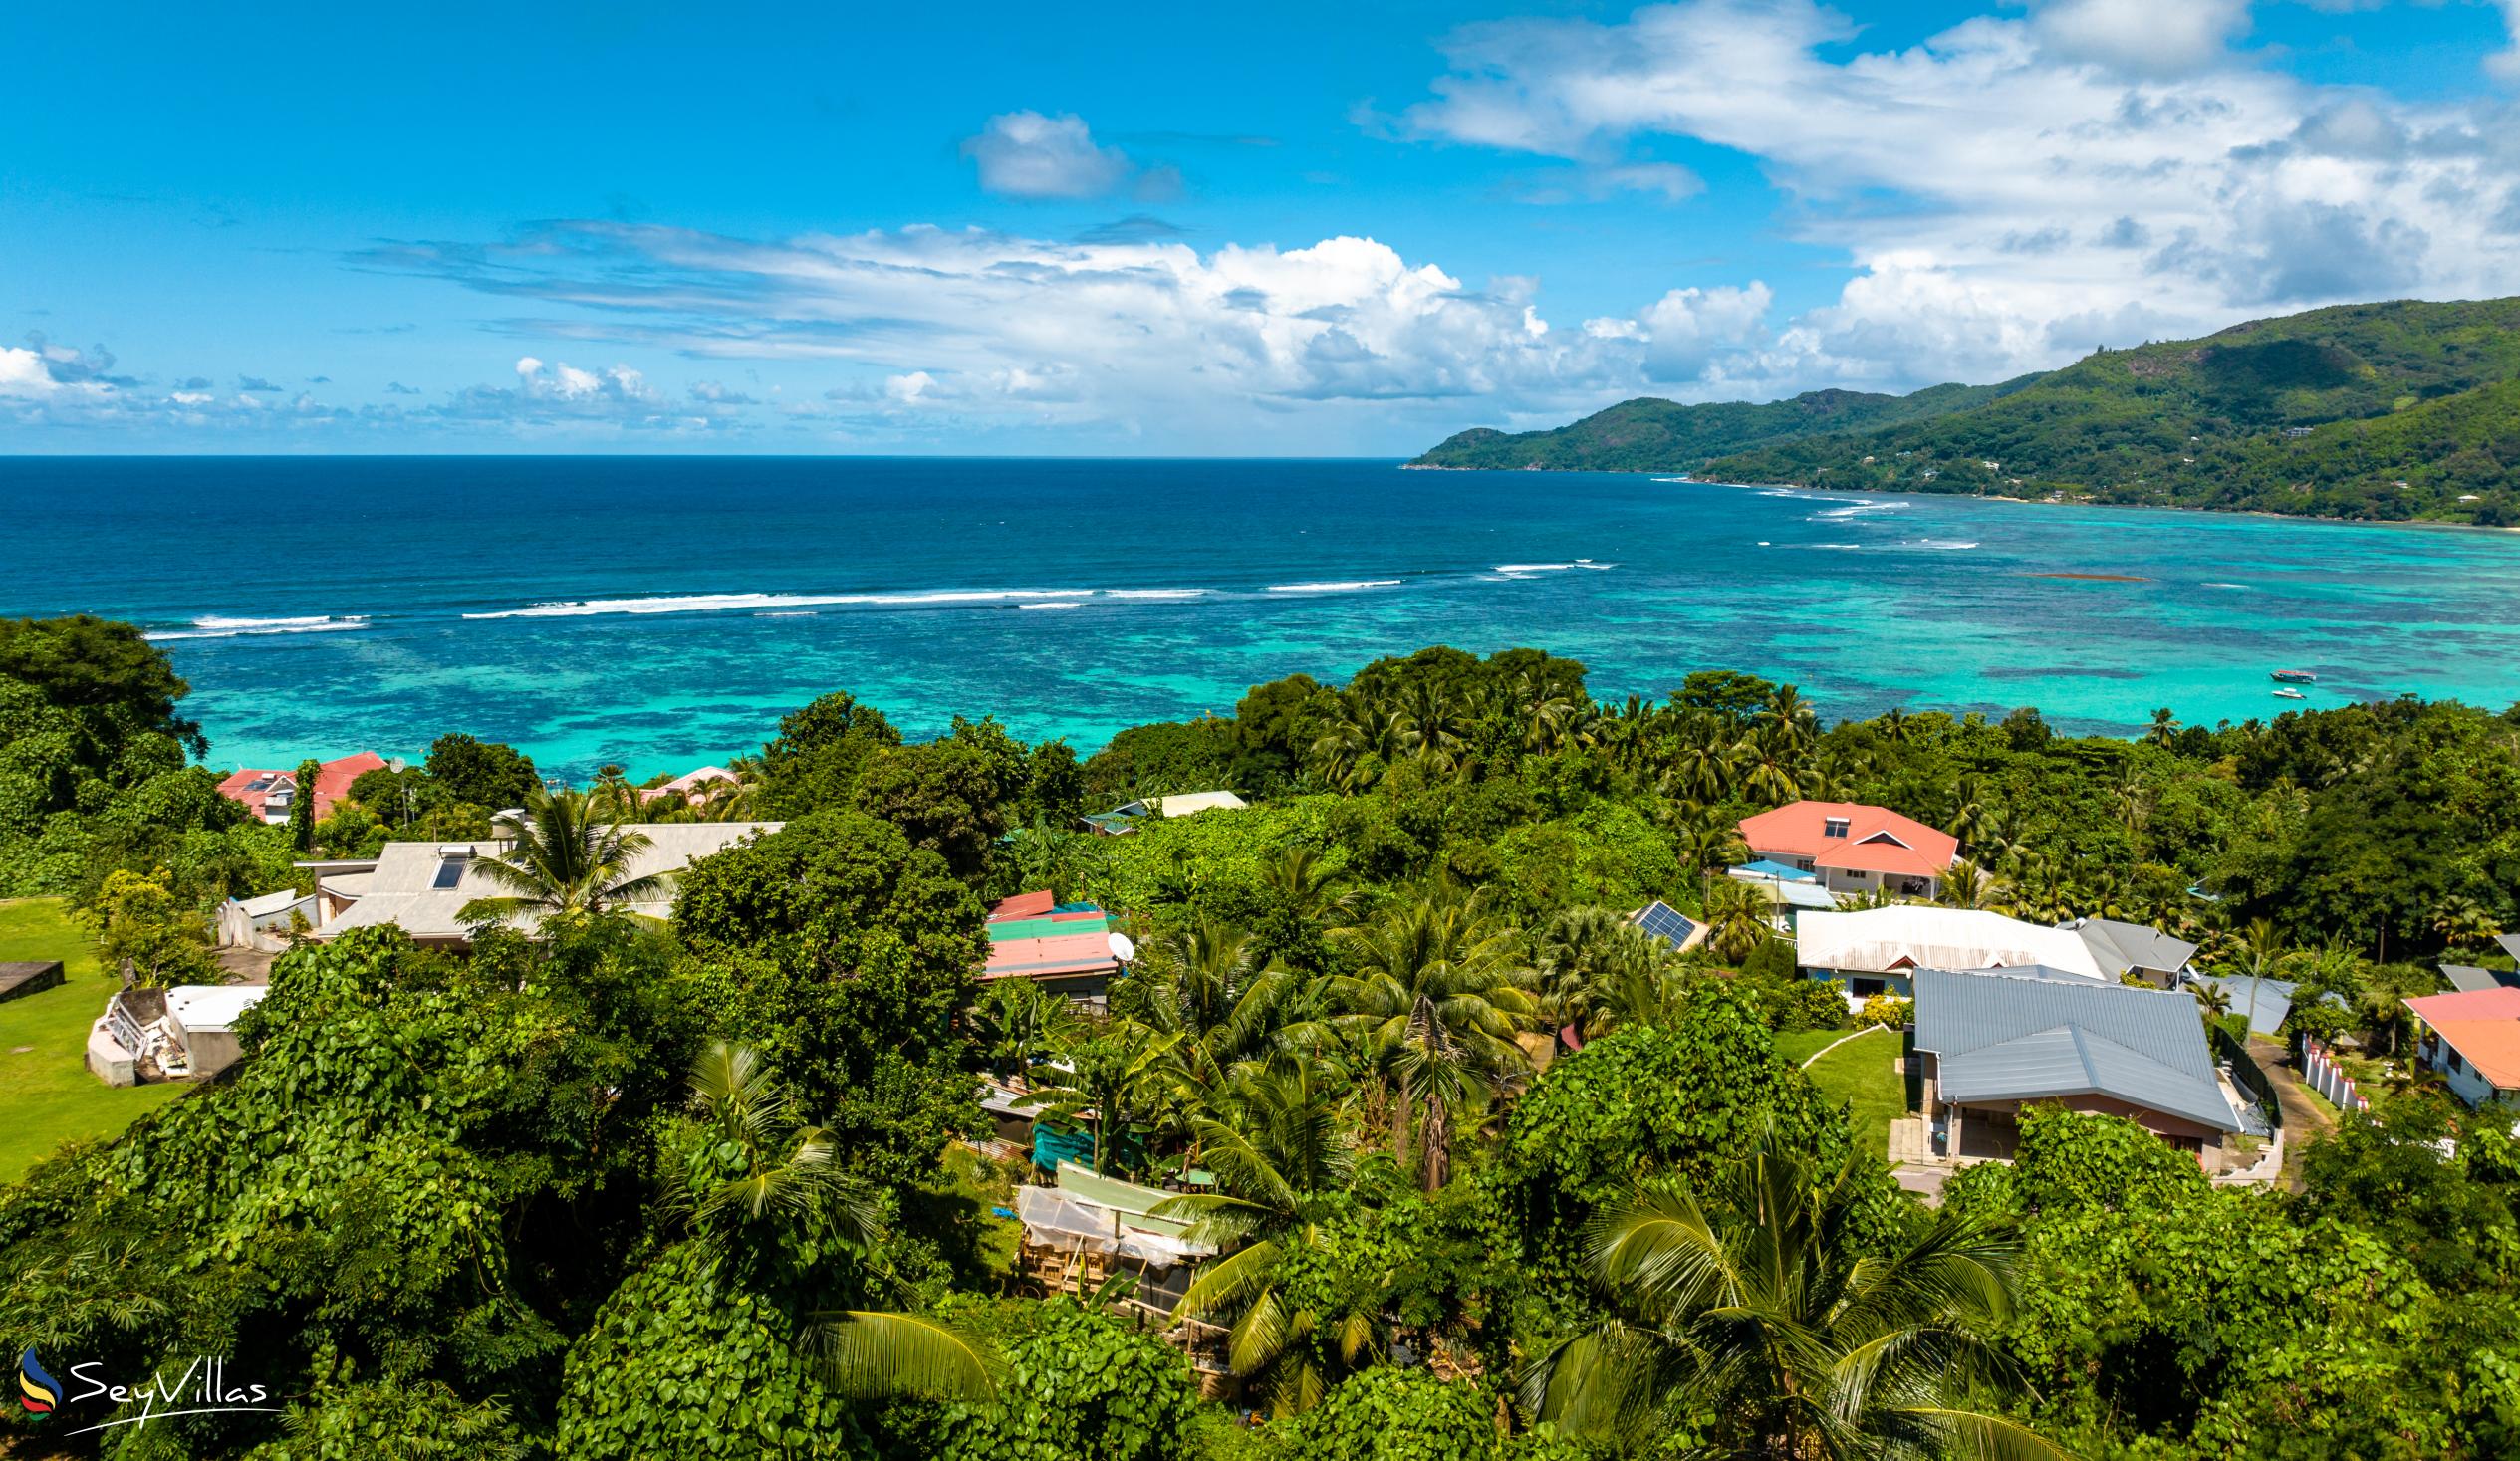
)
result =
(2006, 1037)
(2510, 943)
(2467, 978)
(2272, 1001)
(2120, 945)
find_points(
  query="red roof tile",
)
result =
(1877, 839)
(332, 784)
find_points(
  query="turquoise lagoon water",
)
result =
(663, 611)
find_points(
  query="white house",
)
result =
(1873, 951)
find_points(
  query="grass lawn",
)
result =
(44, 1044)
(1862, 1071)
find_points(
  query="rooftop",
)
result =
(1998, 1035)
(1915, 936)
(2482, 1025)
(1852, 835)
(1034, 936)
(2120, 946)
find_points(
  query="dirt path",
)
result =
(2304, 1119)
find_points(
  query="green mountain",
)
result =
(2404, 409)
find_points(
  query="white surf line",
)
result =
(1841, 1040)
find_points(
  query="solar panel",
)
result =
(1658, 920)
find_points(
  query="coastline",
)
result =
(2433, 524)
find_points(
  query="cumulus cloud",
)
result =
(1151, 339)
(1025, 154)
(257, 384)
(1688, 329)
(2015, 189)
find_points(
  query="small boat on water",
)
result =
(2296, 677)
(2290, 694)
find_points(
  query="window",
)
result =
(2455, 1063)
(1834, 826)
(450, 871)
(1867, 988)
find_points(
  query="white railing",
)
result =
(2326, 1077)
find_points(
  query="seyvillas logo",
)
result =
(203, 1388)
(38, 1392)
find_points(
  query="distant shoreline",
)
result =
(2220, 512)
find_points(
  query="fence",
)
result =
(2249, 1077)
(2326, 1077)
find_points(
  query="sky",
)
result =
(1127, 229)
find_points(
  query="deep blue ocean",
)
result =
(664, 611)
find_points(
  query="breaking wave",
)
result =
(215, 626)
(717, 602)
(1346, 586)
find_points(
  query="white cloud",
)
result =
(22, 373)
(1688, 329)
(2015, 190)
(2505, 64)
(1024, 154)
(1127, 340)
(2139, 37)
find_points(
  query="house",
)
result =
(1124, 819)
(1790, 891)
(2121, 948)
(423, 887)
(1068, 948)
(1088, 1227)
(1853, 848)
(1875, 950)
(1990, 1042)
(2473, 1039)
(270, 794)
(267, 922)
(179, 1034)
(691, 787)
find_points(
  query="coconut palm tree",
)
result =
(1438, 996)
(2213, 998)
(1761, 1320)
(1964, 885)
(1736, 920)
(763, 1191)
(2163, 730)
(1790, 715)
(1280, 1148)
(567, 858)
(1120, 1076)
(1704, 847)
(2462, 922)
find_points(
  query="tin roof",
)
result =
(1998, 1035)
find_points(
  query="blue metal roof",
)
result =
(2000, 1036)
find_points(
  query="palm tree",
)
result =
(1280, 1149)
(1303, 881)
(1583, 955)
(1763, 1321)
(1736, 920)
(1704, 848)
(2213, 998)
(1788, 713)
(2163, 730)
(1964, 885)
(1438, 996)
(2261, 957)
(567, 857)
(1893, 727)
(1124, 1074)
(763, 1191)
(2462, 922)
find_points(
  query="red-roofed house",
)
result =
(269, 794)
(1854, 848)
(2473, 1039)
(1068, 948)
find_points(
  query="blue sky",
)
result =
(1184, 230)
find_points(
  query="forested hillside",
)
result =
(2396, 410)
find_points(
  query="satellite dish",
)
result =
(1121, 947)
(394, 766)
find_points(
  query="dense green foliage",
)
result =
(1491, 1174)
(2396, 410)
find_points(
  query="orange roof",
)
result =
(1025, 905)
(1050, 958)
(2482, 1025)
(331, 784)
(1876, 839)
